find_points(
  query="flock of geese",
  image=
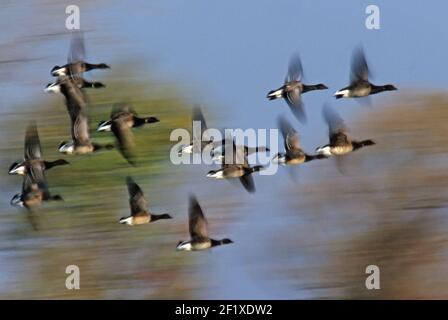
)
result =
(70, 83)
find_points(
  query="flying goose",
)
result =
(75, 61)
(359, 79)
(198, 143)
(120, 124)
(219, 153)
(139, 207)
(34, 185)
(127, 115)
(34, 191)
(294, 154)
(293, 88)
(237, 167)
(340, 143)
(33, 154)
(76, 106)
(81, 83)
(200, 239)
(75, 97)
(122, 120)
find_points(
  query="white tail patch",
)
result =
(326, 151)
(187, 149)
(18, 170)
(107, 126)
(127, 221)
(279, 158)
(184, 246)
(217, 175)
(67, 148)
(344, 93)
(17, 200)
(53, 88)
(59, 72)
(276, 94)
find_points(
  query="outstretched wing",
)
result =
(337, 130)
(120, 109)
(197, 221)
(137, 201)
(35, 179)
(125, 139)
(75, 98)
(199, 116)
(77, 51)
(80, 128)
(295, 71)
(35, 175)
(32, 143)
(359, 69)
(295, 103)
(290, 136)
(248, 182)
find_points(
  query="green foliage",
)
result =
(115, 260)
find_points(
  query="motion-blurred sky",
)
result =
(227, 55)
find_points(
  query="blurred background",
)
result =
(308, 232)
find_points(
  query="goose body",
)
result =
(76, 104)
(198, 228)
(76, 63)
(139, 207)
(340, 143)
(33, 155)
(122, 120)
(359, 80)
(128, 116)
(219, 153)
(22, 168)
(34, 190)
(34, 185)
(294, 154)
(293, 88)
(239, 168)
(34, 193)
(75, 68)
(362, 89)
(198, 144)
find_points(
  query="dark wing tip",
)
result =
(248, 183)
(32, 141)
(193, 200)
(12, 166)
(284, 125)
(77, 49)
(133, 187)
(31, 130)
(197, 113)
(359, 66)
(295, 70)
(333, 119)
(195, 209)
(129, 180)
(297, 109)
